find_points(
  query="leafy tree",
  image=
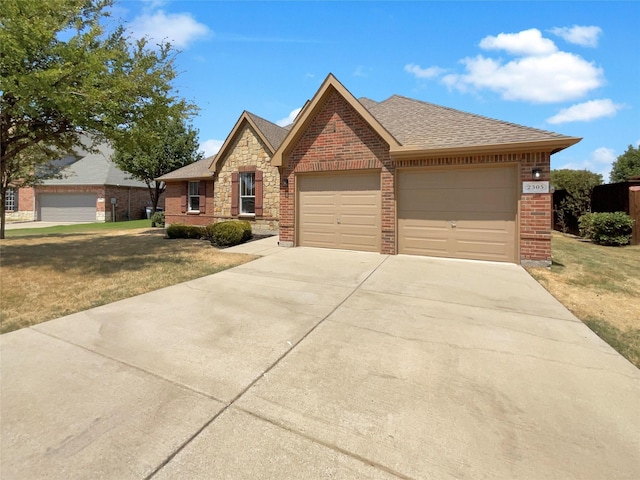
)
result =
(62, 76)
(157, 143)
(627, 165)
(578, 185)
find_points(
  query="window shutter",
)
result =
(183, 197)
(235, 194)
(258, 204)
(203, 196)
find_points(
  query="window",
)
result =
(247, 193)
(194, 196)
(11, 200)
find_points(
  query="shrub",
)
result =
(246, 229)
(585, 225)
(608, 228)
(157, 219)
(180, 230)
(227, 234)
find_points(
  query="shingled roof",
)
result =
(273, 133)
(94, 168)
(193, 171)
(428, 126)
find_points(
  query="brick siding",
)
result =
(339, 139)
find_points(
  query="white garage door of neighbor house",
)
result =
(67, 207)
(458, 213)
(339, 211)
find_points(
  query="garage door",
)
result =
(458, 213)
(58, 207)
(339, 211)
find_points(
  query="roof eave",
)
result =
(552, 145)
(185, 178)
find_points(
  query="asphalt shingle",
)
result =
(426, 125)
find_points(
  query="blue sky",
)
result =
(569, 67)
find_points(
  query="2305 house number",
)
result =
(535, 187)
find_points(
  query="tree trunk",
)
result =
(2, 212)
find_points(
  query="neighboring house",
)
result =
(238, 182)
(409, 177)
(88, 188)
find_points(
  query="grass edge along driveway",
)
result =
(599, 285)
(51, 272)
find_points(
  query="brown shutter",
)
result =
(183, 197)
(203, 196)
(258, 192)
(235, 194)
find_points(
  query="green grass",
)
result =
(78, 228)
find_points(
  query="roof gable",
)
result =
(272, 135)
(305, 117)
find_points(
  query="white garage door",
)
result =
(458, 213)
(339, 211)
(67, 207)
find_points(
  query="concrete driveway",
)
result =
(314, 364)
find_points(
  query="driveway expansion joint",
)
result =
(264, 374)
(135, 367)
(331, 446)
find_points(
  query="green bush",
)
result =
(246, 229)
(607, 228)
(180, 230)
(157, 219)
(227, 234)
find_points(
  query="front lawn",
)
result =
(601, 286)
(47, 273)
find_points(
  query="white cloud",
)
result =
(527, 42)
(557, 77)
(211, 146)
(585, 112)
(600, 161)
(292, 116)
(539, 73)
(579, 35)
(419, 72)
(180, 29)
(361, 71)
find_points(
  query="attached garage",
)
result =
(447, 183)
(458, 212)
(67, 207)
(340, 211)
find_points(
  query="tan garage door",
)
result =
(458, 213)
(339, 211)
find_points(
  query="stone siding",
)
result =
(248, 152)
